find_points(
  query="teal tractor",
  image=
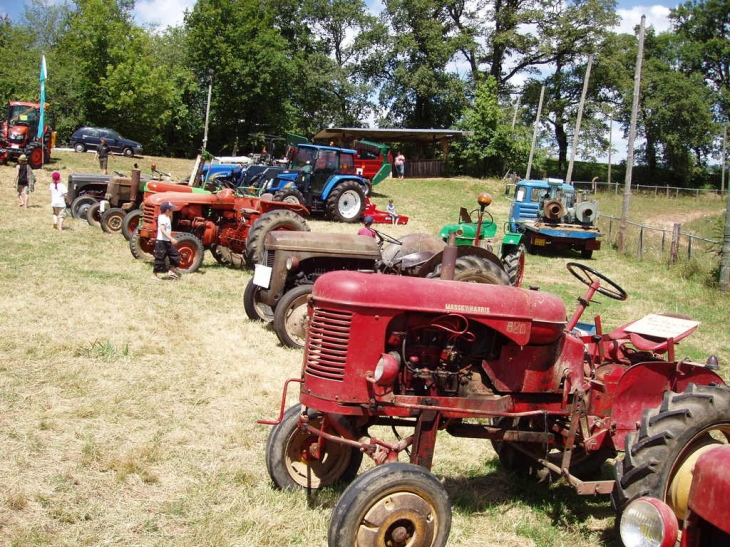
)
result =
(478, 229)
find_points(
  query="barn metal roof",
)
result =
(390, 135)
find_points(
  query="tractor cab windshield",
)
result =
(22, 115)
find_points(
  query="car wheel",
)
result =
(129, 152)
(79, 147)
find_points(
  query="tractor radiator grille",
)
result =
(270, 255)
(327, 343)
(148, 215)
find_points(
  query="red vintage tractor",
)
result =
(492, 362)
(223, 223)
(18, 134)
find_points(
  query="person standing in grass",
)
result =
(102, 154)
(400, 165)
(59, 194)
(24, 181)
(165, 244)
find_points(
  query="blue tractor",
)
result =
(330, 180)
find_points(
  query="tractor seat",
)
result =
(653, 332)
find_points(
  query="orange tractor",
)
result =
(18, 134)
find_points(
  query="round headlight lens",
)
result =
(648, 522)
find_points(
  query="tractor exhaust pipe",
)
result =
(134, 190)
(448, 259)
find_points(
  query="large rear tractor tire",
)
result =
(291, 321)
(346, 203)
(292, 465)
(191, 252)
(659, 458)
(393, 504)
(131, 221)
(112, 220)
(255, 309)
(142, 248)
(280, 219)
(474, 269)
(93, 215)
(514, 265)
(289, 195)
(80, 206)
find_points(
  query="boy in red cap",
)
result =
(165, 244)
(58, 200)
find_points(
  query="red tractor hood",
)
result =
(523, 316)
(225, 198)
(710, 493)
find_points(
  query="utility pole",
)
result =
(610, 146)
(724, 159)
(207, 113)
(517, 107)
(569, 175)
(534, 134)
(622, 235)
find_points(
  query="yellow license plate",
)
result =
(540, 242)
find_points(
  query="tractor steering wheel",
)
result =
(487, 218)
(385, 237)
(586, 275)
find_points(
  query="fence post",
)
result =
(674, 250)
(689, 247)
(640, 250)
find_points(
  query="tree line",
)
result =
(299, 66)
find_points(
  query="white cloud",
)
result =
(162, 13)
(656, 16)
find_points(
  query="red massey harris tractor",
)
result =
(225, 223)
(18, 134)
(492, 362)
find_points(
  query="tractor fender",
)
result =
(335, 180)
(462, 250)
(511, 239)
(643, 386)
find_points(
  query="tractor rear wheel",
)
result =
(514, 265)
(142, 248)
(289, 195)
(112, 220)
(659, 458)
(131, 221)
(346, 202)
(280, 219)
(191, 252)
(290, 317)
(93, 214)
(393, 504)
(291, 463)
(473, 269)
(255, 309)
(81, 205)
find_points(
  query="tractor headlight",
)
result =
(648, 522)
(387, 368)
(292, 263)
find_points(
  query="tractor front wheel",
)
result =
(142, 248)
(291, 321)
(131, 221)
(289, 195)
(279, 219)
(112, 220)
(392, 504)
(81, 205)
(346, 202)
(255, 309)
(514, 265)
(473, 269)
(291, 461)
(35, 156)
(191, 252)
(93, 214)
(660, 456)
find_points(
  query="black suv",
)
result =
(88, 138)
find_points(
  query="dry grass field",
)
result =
(128, 406)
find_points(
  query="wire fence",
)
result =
(617, 188)
(661, 244)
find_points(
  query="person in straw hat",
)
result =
(24, 181)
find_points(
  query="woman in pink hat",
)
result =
(58, 200)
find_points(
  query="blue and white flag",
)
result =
(42, 120)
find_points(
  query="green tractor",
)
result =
(478, 229)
